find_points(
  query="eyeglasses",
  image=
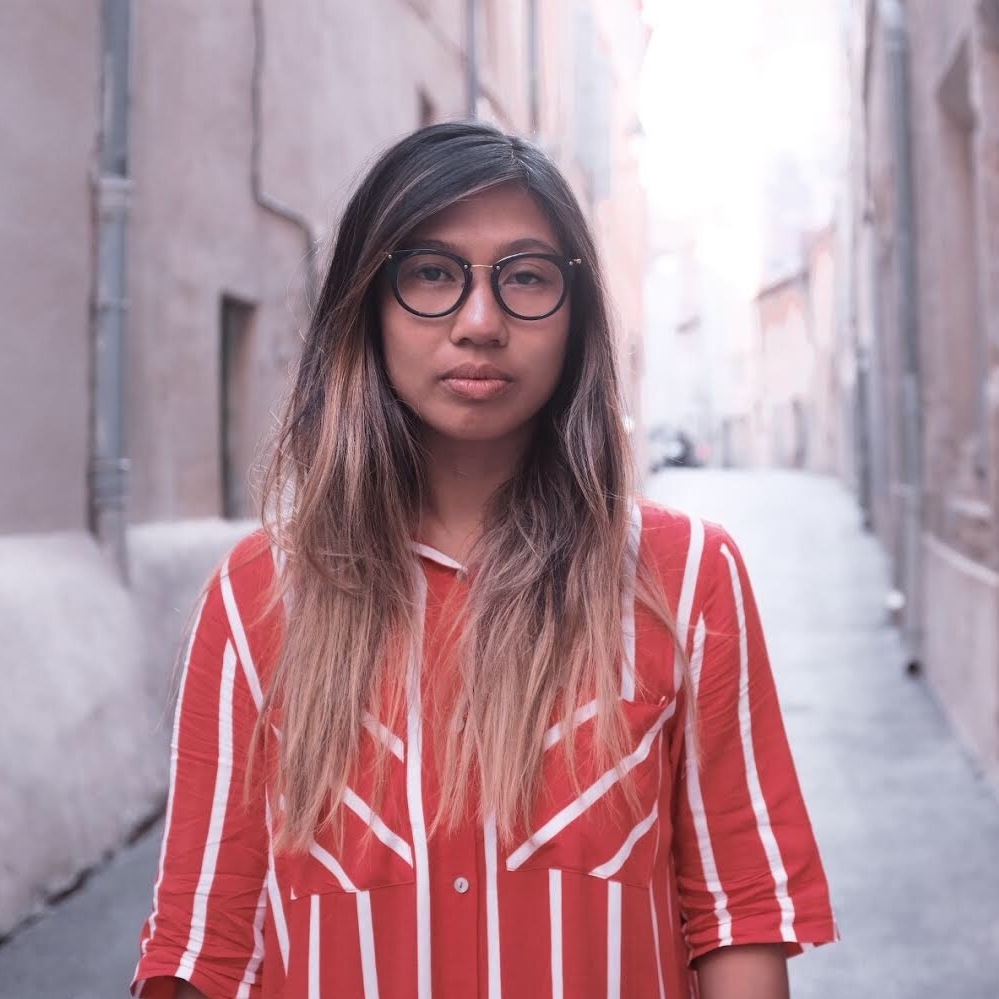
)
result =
(435, 283)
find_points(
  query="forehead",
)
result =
(491, 222)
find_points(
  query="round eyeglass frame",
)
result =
(567, 265)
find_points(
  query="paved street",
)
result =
(909, 831)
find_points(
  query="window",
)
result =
(235, 381)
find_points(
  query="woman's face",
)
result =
(477, 374)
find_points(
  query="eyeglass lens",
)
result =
(433, 284)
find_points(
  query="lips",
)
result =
(477, 382)
(477, 372)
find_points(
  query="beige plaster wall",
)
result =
(49, 54)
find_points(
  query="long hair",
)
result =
(541, 627)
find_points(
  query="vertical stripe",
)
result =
(628, 605)
(273, 890)
(239, 635)
(695, 799)
(216, 822)
(555, 918)
(692, 568)
(414, 792)
(613, 940)
(314, 944)
(174, 743)
(365, 929)
(492, 910)
(652, 894)
(655, 940)
(250, 974)
(760, 811)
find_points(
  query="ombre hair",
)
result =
(540, 631)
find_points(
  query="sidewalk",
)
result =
(910, 834)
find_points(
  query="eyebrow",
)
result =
(522, 245)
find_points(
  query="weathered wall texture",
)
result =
(952, 590)
(48, 131)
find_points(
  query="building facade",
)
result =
(173, 174)
(924, 311)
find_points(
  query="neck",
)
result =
(461, 478)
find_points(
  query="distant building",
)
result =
(923, 310)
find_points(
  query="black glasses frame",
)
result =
(567, 265)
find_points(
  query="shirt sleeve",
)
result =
(747, 864)
(206, 925)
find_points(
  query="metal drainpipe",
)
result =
(264, 200)
(533, 68)
(471, 58)
(897, 47)
(109, 468)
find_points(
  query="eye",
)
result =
(524, 277)
(432, 274)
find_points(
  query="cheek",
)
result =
(400, 351)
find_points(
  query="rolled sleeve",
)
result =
(748, 867)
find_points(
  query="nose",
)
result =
(480, 320)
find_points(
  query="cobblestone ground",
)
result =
(908, 829)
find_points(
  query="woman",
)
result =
(470, 721)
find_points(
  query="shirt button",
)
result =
(461, 885)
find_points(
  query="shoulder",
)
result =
(244, 598)
(669, 535)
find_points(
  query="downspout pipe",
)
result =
(471, 59)
(279, 209)
(897, 48)
(533, 68)
(109, 469)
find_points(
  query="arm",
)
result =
(187, 991)
(748, 868)
(752, 971)
(209, 899)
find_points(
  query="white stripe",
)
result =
(250, 975)
(690, 573)
(613, 939)
(363, 811)
(492, 910)
(555, 918)
(314, 947)
(239, 636)
(435, 556)
(652, 897)
(609, 869)
(332, 865)
(365, 928)
(216, 822)
(655, 938)
(273, 891)
(763, 825)
(696, 801)
(173, 773)
(557, 731)
(628, 605)
(593, 793)
(384, 735)
(414, 792)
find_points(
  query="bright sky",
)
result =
(730, 89)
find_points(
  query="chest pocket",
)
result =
(590, 826)
(372, 849)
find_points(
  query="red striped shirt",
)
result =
(590, 901)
